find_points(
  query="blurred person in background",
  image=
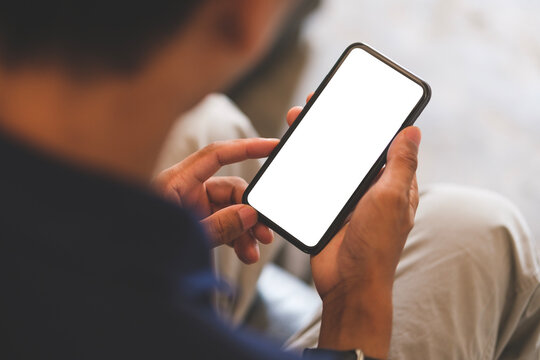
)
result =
(100, 261)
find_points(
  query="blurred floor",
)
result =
(482, 59)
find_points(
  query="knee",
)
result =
(215, 118)
(470, 211)
(470, 259)
(485, 226)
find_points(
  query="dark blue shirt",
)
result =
(92, 268)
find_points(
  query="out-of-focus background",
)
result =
(481, 58)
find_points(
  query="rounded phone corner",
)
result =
(317, 248)
(245, 197)
(427, 91)
(356, 45)
(310, 250)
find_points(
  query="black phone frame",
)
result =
(371, 175)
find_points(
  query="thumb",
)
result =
(402, 158)
(226, 225)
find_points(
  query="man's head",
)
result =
(114, 36)
(82, 34)
(146, 62)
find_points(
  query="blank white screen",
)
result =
(334, 146)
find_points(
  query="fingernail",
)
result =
(248, 217)
(414, 134)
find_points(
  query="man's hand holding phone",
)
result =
(354, 273)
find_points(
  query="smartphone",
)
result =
(336, 147)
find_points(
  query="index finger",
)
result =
(200, 166)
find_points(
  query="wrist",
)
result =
(357, 316)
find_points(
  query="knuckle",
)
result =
(218, 145)
(211, 147)
(216, 229)
(238, 181)
(409, 159)
(227, 228)
(161, 182)
(222, 228)
(392, 196)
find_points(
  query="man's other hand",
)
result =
(218, 200)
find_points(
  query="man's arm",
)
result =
(354, 274)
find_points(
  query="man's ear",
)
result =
(245, 26)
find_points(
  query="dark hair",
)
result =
(114, 35)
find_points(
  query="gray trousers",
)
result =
(468, 283)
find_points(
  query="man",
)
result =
(95, 265)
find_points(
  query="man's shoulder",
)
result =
(56, 215)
